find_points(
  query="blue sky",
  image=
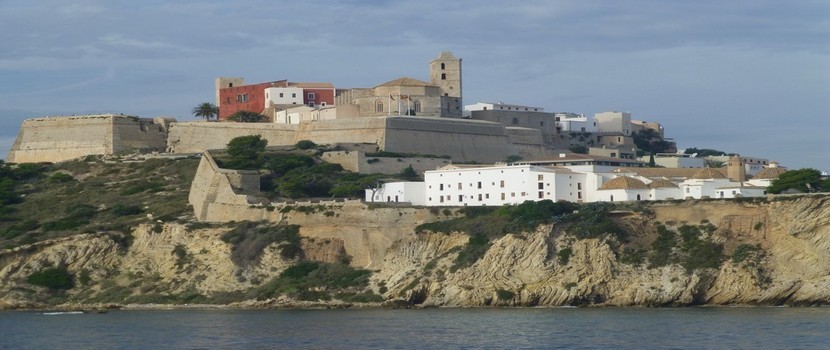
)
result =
(751, 77)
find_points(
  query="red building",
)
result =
(252, 98)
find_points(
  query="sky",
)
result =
(743, 76)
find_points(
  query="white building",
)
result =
(572, 122)
(459, 185)
(291, 95)
(676, 160)
(484, 106)
(765, 177)
(751, 164)
(397, 192)
(305, 113)
(614, 122)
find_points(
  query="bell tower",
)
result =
(445, 72)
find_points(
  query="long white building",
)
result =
(504, 184)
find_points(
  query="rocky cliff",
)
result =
(774, 253)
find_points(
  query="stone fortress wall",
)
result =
(55, 139)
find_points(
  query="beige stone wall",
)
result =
(462, 140)
(358, 162)
(56, 139)
(213, 188)
(195, 137)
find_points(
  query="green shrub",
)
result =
(305, 144)
(249, 239)
(306, 280)
(61, 178)
(56, 278)
(662, 247)
(743, 252)
(182, 258)
(126, 209)
(564, 255)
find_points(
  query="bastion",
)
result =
(55, 139)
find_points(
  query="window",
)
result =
(579, 195)
(230, 84)
(311, 104)
(541, 194)
(512, 194)
(281, 95)
(515, 121)
(441, 199)
(578, 185)
(487, 195)
(612, 198)
(459, 185)
(312, 96)
(460, 198)
(501, 183)
(502, 196)
(479, 184)
(443, 66)
(379, 107)
(479, 197)
(293, 95)
(242, 98)
(417, 106)
(541, 186)
(443, 76)
(441, 187)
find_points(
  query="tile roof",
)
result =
(405, 81)
(624, 183)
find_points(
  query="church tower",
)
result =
(445, 72)
(735, 169)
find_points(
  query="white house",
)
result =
(765, 177)
(483, 106)
(740, 191)
(572, 122)
(622, 188)
(291, 95)
(502, 184)
(404, 191)
(704, 184)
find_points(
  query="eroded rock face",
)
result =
(517, 270)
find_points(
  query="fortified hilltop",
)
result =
(403, 115)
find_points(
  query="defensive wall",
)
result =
(223, 195)
(55, 139)
(358, 162)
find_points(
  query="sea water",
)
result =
(530, 328)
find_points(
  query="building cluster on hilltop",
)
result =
(573, 178)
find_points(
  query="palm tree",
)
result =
(206, 110)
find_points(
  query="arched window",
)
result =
(612, 198)
(379, 107)
(417, 106)
(638, 197)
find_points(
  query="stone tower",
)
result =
(223, 82)
(445, 72)
(735, 169)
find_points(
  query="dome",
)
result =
(624, 183)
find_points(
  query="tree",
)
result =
(247, 117)
(803, 180)
(305, 144)
(206, 110)
(580, 149)
(409, 173)
(246, 152)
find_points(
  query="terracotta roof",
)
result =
(662, 183)
(770, 173)
(405, 81)
(313, 85)
(685, 173)
(708, 173)
(624, 183)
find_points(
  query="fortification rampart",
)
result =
(214, 188)
(55, 139)
(358, 162)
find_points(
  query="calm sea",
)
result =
(606, 328)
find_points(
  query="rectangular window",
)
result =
(579, 195)
(459, 185)
(479, 197)
(441, 199)
(541, 186)
(294, 95)
(578, 185)
(441, 187)
(501, 183)
(540, 177)
(512, 194)
(502, 196)
(281, 95)
(479, 184)
(541, 194)
(487, 195)
(460, 198)
(312, 96)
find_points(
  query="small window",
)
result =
(459, 185)
(460, 198)
(281, 95)
(230, 84)
(541, 194)
(515, 121)
(443, 76)
(479, 184)
(501, 183)
(443, 66)
(312, 96)
(294, 95)
(540, 177)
